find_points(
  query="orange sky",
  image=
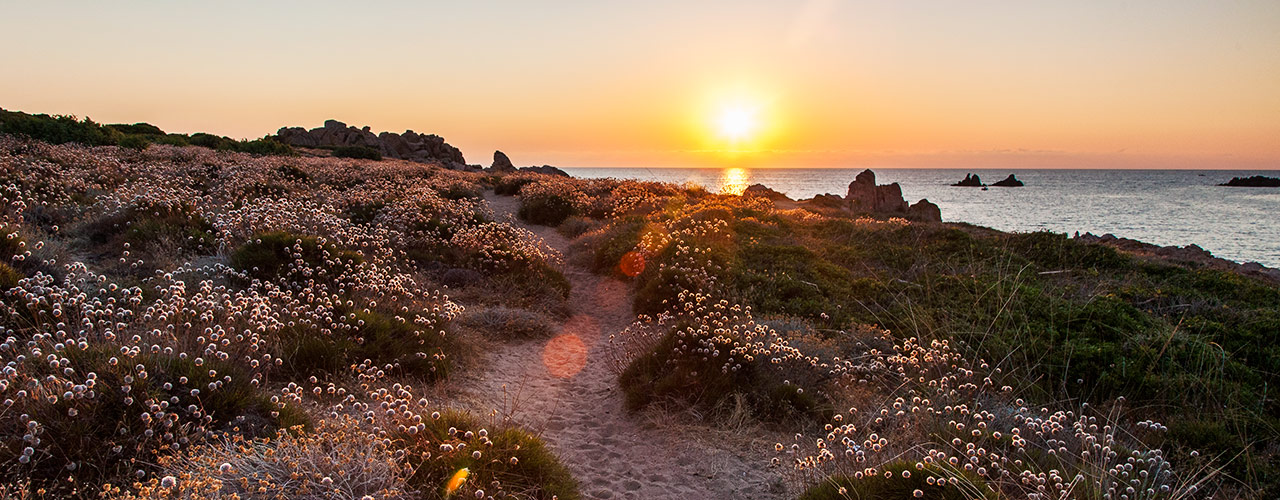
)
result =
(1164, 84)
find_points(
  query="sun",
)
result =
(737, 123)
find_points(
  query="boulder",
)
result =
(546, 169)
(925, 211)
(1009, 181)
(827, 201)
(862, 192)
(501, 163)
(970, 180)
(765, 191)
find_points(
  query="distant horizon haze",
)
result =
(811, 84)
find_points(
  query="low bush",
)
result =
(514, 460)
(275, 254)
(336, 460)
(9, 276)
(708, 353)
(902, 480)
(511, 184)
(357, 152)
(549, 203)
(58, 129)
(149, 227)
(125, 414)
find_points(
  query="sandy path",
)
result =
(564, 389)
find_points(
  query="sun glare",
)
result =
(737, 123)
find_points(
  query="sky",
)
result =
(817, 83)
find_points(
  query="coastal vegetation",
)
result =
(219, 317)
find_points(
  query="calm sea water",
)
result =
(1165, 207)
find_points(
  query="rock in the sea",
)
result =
(970, 180)
(545, 169)
(408, 146)
(925, 211)
(865, 196)
(501, 163)
(1009, 181)
(1254, 181)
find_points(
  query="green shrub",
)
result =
(534, 473)
(509, 185)
(264, 146)
(147, 227)
(967, 486)
(210, 141)
(371, 336)
(293, 173)
(358, 152)
(9, 276)
(111, 418)
(135, 142)
(272, 255)
(576, 226)
(58, 129)
(460, 190)
(546, 210)
(671, 372)
(136, 129)
(364, 213)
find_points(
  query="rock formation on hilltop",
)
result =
(501, 163)
(407, 146)
(546, 169)
(970, 180)
(1255, 181)
(1009, 181)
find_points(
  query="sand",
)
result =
(565, 390)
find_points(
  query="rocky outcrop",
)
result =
(865, 196)
(410, 145)
(1009, 181)
(765, 191)
(501, 164)
(970, 180)
(1255, 181)
(1191, 255)
(926, 211)
(545, 169)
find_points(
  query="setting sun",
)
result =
(737, 123)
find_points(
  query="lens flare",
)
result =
(632, 264)
(459, 478)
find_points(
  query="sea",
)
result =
(1163, 207)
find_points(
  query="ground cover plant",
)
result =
(178, 321)
(220, 316)
(1065, 321)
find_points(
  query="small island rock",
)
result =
(970, 180)
(1254, 181)
(1009, 181)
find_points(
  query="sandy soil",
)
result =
(564, 389)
